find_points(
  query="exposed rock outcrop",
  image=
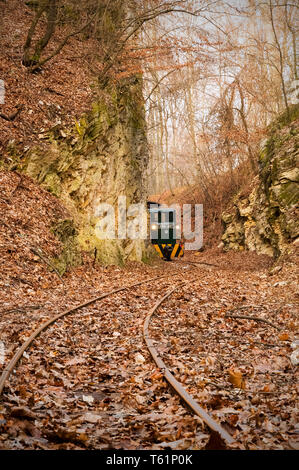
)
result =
(266, 221)
(104, 156)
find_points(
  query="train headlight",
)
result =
(154, 227)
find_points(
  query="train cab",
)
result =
(165, 232)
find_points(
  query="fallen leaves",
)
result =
(22, 412)
(63, 435)
(91, 418)
(236, 367)
(236, 378)
(284, 337)
(48, 99)
(89, 383)
(139, 359)
(294, 357)
(156, 376)
(88, 399)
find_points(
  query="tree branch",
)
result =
(62, 44)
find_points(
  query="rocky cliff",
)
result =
(102, 157)
(266, 220)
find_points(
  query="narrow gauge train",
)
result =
(164, 230)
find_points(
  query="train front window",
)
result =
(166, 217)
(154, 216)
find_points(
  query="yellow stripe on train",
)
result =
(159, 251)
(176, 252)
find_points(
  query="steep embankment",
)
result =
(30, 228)
(266, 220)
(82, 141)
(102, 158)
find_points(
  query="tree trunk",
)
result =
(32, 58)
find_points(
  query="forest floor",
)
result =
(51, 99)
(88, 381)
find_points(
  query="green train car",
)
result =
(165, 232)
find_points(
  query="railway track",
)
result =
(179, 389)
(185, 397)
(19, 353)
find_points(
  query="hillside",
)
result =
(53, 98)
(80, 375)
(104, 345)
(82, 140)
(266, 219)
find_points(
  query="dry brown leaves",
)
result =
(88, 382)
(56, 96)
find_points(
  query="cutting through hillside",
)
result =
(149, 226)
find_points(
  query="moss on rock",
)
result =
(67, 233)
(269, 216)
(104, 156)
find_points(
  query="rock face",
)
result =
(102, 158)
(266, 221)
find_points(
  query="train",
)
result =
(165, 231)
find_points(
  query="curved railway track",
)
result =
(19, 353)
(177, 387)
